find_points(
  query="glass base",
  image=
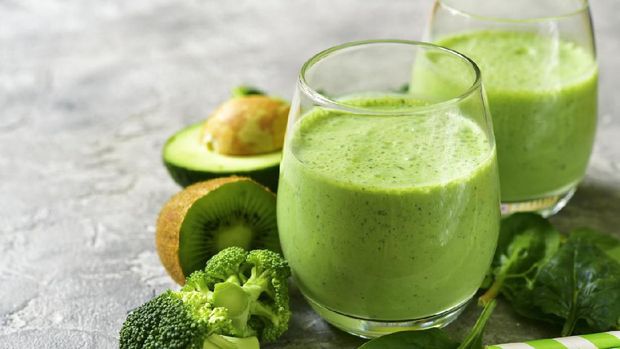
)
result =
(373, 328)
(547, 206)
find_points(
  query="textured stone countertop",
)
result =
(90, 90)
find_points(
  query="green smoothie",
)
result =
(391, 217)
(542, 96)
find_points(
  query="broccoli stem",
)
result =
(257, 284)
(231, 296)
(253, 291)
(262, 310)
(217, 341)
(234, 279)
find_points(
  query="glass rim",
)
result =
(326, 101)
(585, 6)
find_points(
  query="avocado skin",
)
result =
(183, 176)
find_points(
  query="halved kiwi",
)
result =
(209, 216)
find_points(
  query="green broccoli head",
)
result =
(227, 265)
(239, 295)
(268, 285)
(162, 322)
(256, 293)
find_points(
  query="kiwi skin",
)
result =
(171, 217)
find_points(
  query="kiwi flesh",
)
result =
(209, 216)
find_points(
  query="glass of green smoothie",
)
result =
(388, 201)
(540, 73)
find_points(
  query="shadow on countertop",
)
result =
(594, 205)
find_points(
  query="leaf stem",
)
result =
(493, 291)
(571, 319)
(474, 338)
(569, 326)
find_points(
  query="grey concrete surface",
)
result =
(89, 91)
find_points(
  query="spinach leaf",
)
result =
(526, 242)
(580, 283)
(520, 294)
(606, 242)
(433, 338)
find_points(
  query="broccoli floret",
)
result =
(162, 322)
(255, 291)
(268, 285)
(238, 297)
(228, 265)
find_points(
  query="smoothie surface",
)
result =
(523, 61)
(390, 151)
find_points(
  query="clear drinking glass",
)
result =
(388, 201)
(540, 73)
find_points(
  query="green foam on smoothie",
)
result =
(513, 60)
(389, 150)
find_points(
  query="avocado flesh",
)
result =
(189, 161)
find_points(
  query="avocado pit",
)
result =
(247, 125)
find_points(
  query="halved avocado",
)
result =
(188, 161)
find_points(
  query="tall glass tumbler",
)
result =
(388, 201)
(540, 73)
